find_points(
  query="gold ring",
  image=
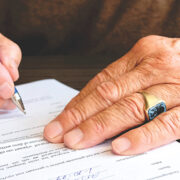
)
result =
(153, 106)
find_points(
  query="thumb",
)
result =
(160, 131)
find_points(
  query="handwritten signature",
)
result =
(85, 174)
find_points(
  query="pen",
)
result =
(17, 100)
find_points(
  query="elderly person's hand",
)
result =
(10, 57)
(110, 103)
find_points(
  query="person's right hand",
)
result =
(10, 57)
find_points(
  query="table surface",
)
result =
(74, 71)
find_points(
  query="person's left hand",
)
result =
(110, 103)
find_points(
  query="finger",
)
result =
(104, 96)
(113, 71)
(6, 83)
(121, 67)
(126, 114)
(7, 104)
(10, 56)
(160, 131)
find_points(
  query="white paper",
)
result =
(24, 155)
(43, 101)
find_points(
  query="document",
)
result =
(25, 155)
(43, 101)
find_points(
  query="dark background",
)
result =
(73, 40)
(74, 71)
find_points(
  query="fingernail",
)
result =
(53, 129)
(121, 145)
(73, 137)
(5, 91)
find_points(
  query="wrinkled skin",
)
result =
(10, 57)
(110, 103)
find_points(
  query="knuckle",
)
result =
(146, 136)
(171, 122)
(149, 38)
(99, 125)
(14, 54)
(17, 52)
(75, 116)
(162, 54)
(143, 42)
(10, 51)
(134, 106)
(71, 103)
(175, 43)
(109, 91)
(107, 72)
(104, 75)
(16, 77)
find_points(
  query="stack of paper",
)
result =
(25, 155)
